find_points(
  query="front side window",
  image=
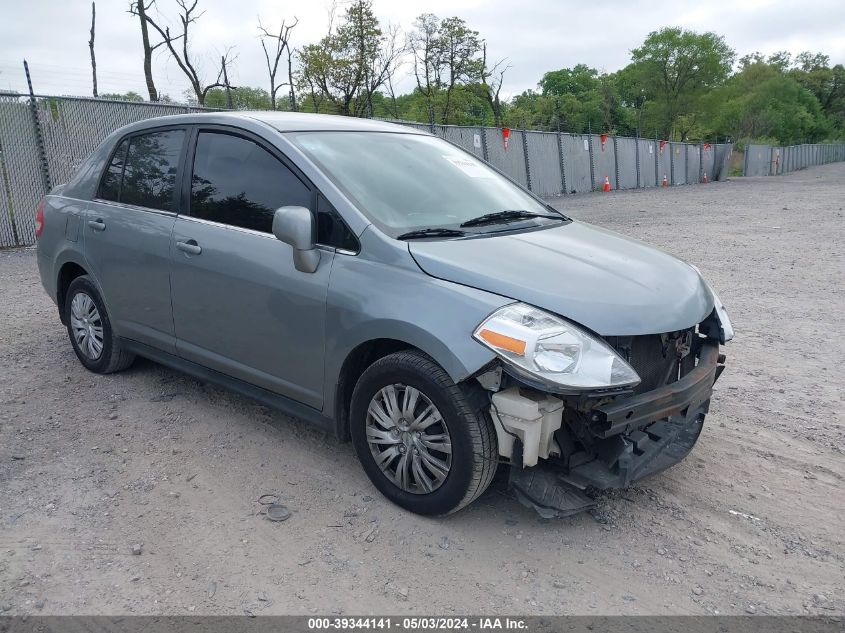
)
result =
(237, 182)
(405, 182)
(331, 230)
(149, 170)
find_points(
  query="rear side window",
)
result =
(149, 177)
(143, 170)
(237, 182)
(110, 184)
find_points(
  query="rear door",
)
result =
(127, 234)
(239, 305)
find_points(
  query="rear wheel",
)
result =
(90, 330)
(417, 437)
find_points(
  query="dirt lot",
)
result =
(750, 523)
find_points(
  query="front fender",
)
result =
(373, 299)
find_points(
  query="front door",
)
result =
(127, 235)
(239, 305)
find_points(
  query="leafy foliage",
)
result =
(679, 85)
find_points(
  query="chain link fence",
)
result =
(769, 160)
(43, 140)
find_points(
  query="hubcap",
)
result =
(87, 326)
(409, 439)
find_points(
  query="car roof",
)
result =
(303, 121)
(280, 121)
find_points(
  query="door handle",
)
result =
(97, 225)
(191, 247)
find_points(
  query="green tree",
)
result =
(448, 55)
(762, 103)
(813, 72)
(675, 67)
(122, 96)
(577, 99)
(243, 98)
(342, 71)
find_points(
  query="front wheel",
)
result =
(417, 437)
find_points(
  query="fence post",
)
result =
(656, 162)
(671, 163)
(525, 155)
(39, 138)
(484, 144)
(562, 163)
(637, 156)
(700, 162)
(616, 162)
(592, 164)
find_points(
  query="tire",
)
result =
(474, 454)
(111, 357)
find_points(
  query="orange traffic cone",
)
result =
(606, 186)
(705, 181)
(665, 182)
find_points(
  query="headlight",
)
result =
(724, 319)
(552, 349)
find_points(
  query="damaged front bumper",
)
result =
(611, 443)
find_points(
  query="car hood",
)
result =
(614, 285)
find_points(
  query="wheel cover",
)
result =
(409, 439)
(86, 325)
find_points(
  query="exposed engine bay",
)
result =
(560, 446)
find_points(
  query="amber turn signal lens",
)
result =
(503, 342)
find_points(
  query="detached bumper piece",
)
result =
(542, 488)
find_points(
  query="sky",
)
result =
(534, 35)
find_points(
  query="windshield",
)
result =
(408, 182)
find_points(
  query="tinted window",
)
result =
(331, 230)
(149, 177)
(110, 184)
(238, 182)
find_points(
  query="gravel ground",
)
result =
(751, 522)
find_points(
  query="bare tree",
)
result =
(381, 65)
(225, 61)
(281, 46)
(139, 8)
(91, 46)
(187, 17)
(492, 79)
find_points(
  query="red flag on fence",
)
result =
(706, 146)
(506, 132)
(662, 145)
(603, 141)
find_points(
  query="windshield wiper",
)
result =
(507, 216)
(433, 232)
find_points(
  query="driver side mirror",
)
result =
(296, 226)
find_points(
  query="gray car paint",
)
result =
(130, 258)
(614, 285)
(379, 293)
(241, 307)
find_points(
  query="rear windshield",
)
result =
(405, 182)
